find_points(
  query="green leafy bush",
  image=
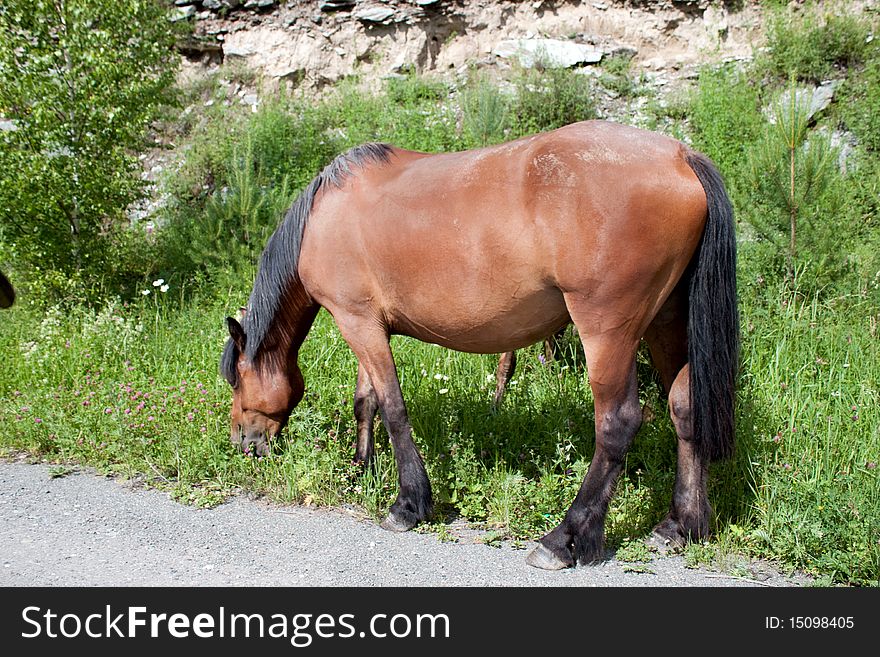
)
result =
(484, 112)
(860, 104)
(812, 46)
(80, 81)
(725, 116)
(550, 98)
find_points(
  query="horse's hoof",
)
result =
(662, 544)
(394, 524)
(542, 557)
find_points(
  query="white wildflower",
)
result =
(443, 391)
(145, 292)
(158, 282)
(164, 288)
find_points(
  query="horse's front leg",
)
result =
(371, 346)
(365, 406)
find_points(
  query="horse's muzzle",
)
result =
(252, 444)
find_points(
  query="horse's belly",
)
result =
(483, 325)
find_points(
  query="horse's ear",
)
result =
(236, 333)
(242, 312)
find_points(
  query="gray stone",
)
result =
(336, 5)
(426, 3)
(374, 14)
(822, 96)
(259, 4)
(844, 142)
(183, 13)
(213, 5)
(552, 53)
(812, 100)
(233, 51)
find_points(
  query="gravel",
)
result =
(85, 530)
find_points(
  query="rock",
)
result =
(553, 53)
(184, 13)
(822, 96)
(426, 3)
(621, 50)
(237, 51)
(259, 4)
(844, 143)
(213, 5)
(336, 5)
(7, 125)
(374, 14)
(813, 100)
(181, 3)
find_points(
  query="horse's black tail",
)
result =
(713, 320)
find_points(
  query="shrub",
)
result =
(551, 98)
(814, 47)
(725, 116)
(232, 191)
(860, 104)
(484, 112)
(80, 80)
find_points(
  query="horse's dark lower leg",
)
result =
(580, 537)
(414, 503)
(365, 406)
(690, 511)
(689, 514)
(503, 374)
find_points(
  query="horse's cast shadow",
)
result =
(557, 436)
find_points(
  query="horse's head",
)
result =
(263, 393)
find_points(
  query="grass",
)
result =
(131, 387)
(133, 390)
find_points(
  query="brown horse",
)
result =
(625, 233)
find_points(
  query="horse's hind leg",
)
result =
(503, 374)
(611, 365)
(507, 364)
(370, 344)
(365, 406)
(690, 511)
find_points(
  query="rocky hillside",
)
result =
(315, 43)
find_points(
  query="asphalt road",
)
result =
(87, 530)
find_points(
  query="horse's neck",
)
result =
(296, 315)
(291, 323)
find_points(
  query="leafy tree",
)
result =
(80, 83)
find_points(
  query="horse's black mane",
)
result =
(278, 269)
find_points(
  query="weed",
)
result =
(634, 551)
(58, 471)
